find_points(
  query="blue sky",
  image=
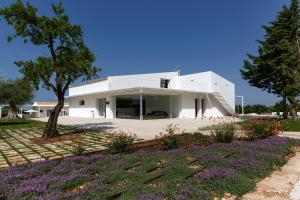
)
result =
(143, 36)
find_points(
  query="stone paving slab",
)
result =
(16, 147)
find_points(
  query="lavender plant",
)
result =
(194, 173)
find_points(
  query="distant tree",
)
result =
(15, 93)
(256, 108)
(238, 109)
(69, 59)
(277, 67)
(279, 107)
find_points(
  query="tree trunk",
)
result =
(50, 130)
(293, 104)
(12, 112)
(285, 109)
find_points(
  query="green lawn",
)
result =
(19, 123)
(198, 171)
(290, 125)
(286, 124)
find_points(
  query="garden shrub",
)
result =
(224, 168)
(168, 138)
(78, 150)
(120, 141)
(223, 133)
(260, 128)
(224, 180)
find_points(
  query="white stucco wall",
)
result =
(199, 82)
(224, 87)
(197, 85)
(89, 88)
(212, 108)
(90, 109)
(215, 109)
(139, 80)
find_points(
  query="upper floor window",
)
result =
(81, 103)
(164, 83)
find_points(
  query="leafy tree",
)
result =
(15, 93)
(279, 107)
(276, 69)
(238, 109)
(69, 58)
(256, 108)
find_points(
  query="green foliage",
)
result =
(223, 133)
(120, 141)
(276, 68)
(15, 93)
(290, 125)
(15, 124)
(69, 58)
(260, 128)
(168, 138)
(255, 108)
(78, 150)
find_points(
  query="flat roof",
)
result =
(88, 82)
(144, 90)
(46, 104)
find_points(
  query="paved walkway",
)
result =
(283, 184)
(145, 129)
(291, 134)
(17, 148)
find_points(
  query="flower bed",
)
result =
(198, 172)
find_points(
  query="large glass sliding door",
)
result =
(128, 106)
(153, 106)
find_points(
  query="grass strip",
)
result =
(29, 147)
(15, 149)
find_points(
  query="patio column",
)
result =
(171, 107)
(141, 106)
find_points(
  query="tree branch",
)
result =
(66, 86)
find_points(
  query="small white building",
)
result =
(155, 95)
(43, 109)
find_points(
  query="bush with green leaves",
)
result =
(168, 137)
(78, 150)
(254, 129)
(223, 133)
(120, 141)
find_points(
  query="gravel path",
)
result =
(283, 184)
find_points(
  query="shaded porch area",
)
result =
(147, 106)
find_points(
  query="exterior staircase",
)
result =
(223, 102)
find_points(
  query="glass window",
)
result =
(81, 103)
(164, 83)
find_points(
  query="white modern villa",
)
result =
(153, 96)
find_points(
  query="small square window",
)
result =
(164, 83)
(81, 103)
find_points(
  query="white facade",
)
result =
(196, 95)
(43, 109)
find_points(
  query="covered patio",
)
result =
(147, 106)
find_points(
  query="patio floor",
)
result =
(144, 129)
(17, 148)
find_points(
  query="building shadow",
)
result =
(93, 127)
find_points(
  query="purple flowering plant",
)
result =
(193, 173)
